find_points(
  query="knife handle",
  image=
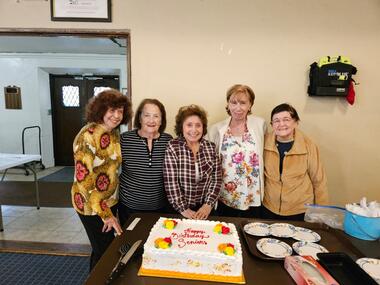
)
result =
(115, 273)
(122, 262)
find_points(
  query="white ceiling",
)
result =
(62, 44)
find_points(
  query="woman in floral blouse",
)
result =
(240, 141)
(97, 158)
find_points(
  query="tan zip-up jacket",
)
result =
(303, 178)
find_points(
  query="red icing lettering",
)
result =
(190, 237)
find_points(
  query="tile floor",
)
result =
(56, 225)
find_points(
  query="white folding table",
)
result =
(8, 160)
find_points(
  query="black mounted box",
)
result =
(330, 79)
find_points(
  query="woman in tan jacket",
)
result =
(294, 175)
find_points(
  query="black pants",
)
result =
(99, 240)
(267, 214)
(125, 212)
(226, 211)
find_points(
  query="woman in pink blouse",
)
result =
(240, 141)
(192, 172)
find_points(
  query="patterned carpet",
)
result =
(21, 268)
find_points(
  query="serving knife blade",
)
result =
(130, 252)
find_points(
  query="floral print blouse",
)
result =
(241, 175)
(97, 158)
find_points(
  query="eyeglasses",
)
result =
(284, 120)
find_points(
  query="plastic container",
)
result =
(330, 215)
(361, 227)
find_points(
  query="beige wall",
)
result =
(191, 51)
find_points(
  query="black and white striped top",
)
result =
(141, 179)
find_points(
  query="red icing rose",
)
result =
(102, 182)
(168, 240)
(81, 171)
(103, 205)
(225, 230)
(79, 201)
(105, 141)
(231, 245)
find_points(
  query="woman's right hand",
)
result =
(188, 213)
(112, 223)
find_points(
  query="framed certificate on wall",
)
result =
(81, 10)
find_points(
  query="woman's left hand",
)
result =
(203, 212)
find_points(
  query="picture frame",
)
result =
(80, 10)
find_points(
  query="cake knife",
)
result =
(121, 264)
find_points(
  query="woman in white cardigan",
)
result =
(240, 141)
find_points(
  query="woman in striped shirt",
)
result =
(143, 151)
(192, 169)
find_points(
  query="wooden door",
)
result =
(69, 96)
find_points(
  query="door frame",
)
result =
(92, 33)
(85, 33)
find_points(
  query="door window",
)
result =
(98, 89)
(70, 96)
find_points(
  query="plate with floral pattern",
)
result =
(283, 230)
(273, 247)
(371, 266)
(257, 229)
(304, 234)
(308, 248)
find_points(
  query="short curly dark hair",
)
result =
(240, 88)
(98, 106)
(137, 123)
(285, 107)
(187, 111)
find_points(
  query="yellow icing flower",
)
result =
(170, 225)
(221, 229)
(157, 241)
(218, 228)
(229, 251)
(163, 244)
(222, 247)
(227, 248)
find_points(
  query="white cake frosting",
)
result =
(194, 248)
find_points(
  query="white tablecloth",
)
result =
(9, 160)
